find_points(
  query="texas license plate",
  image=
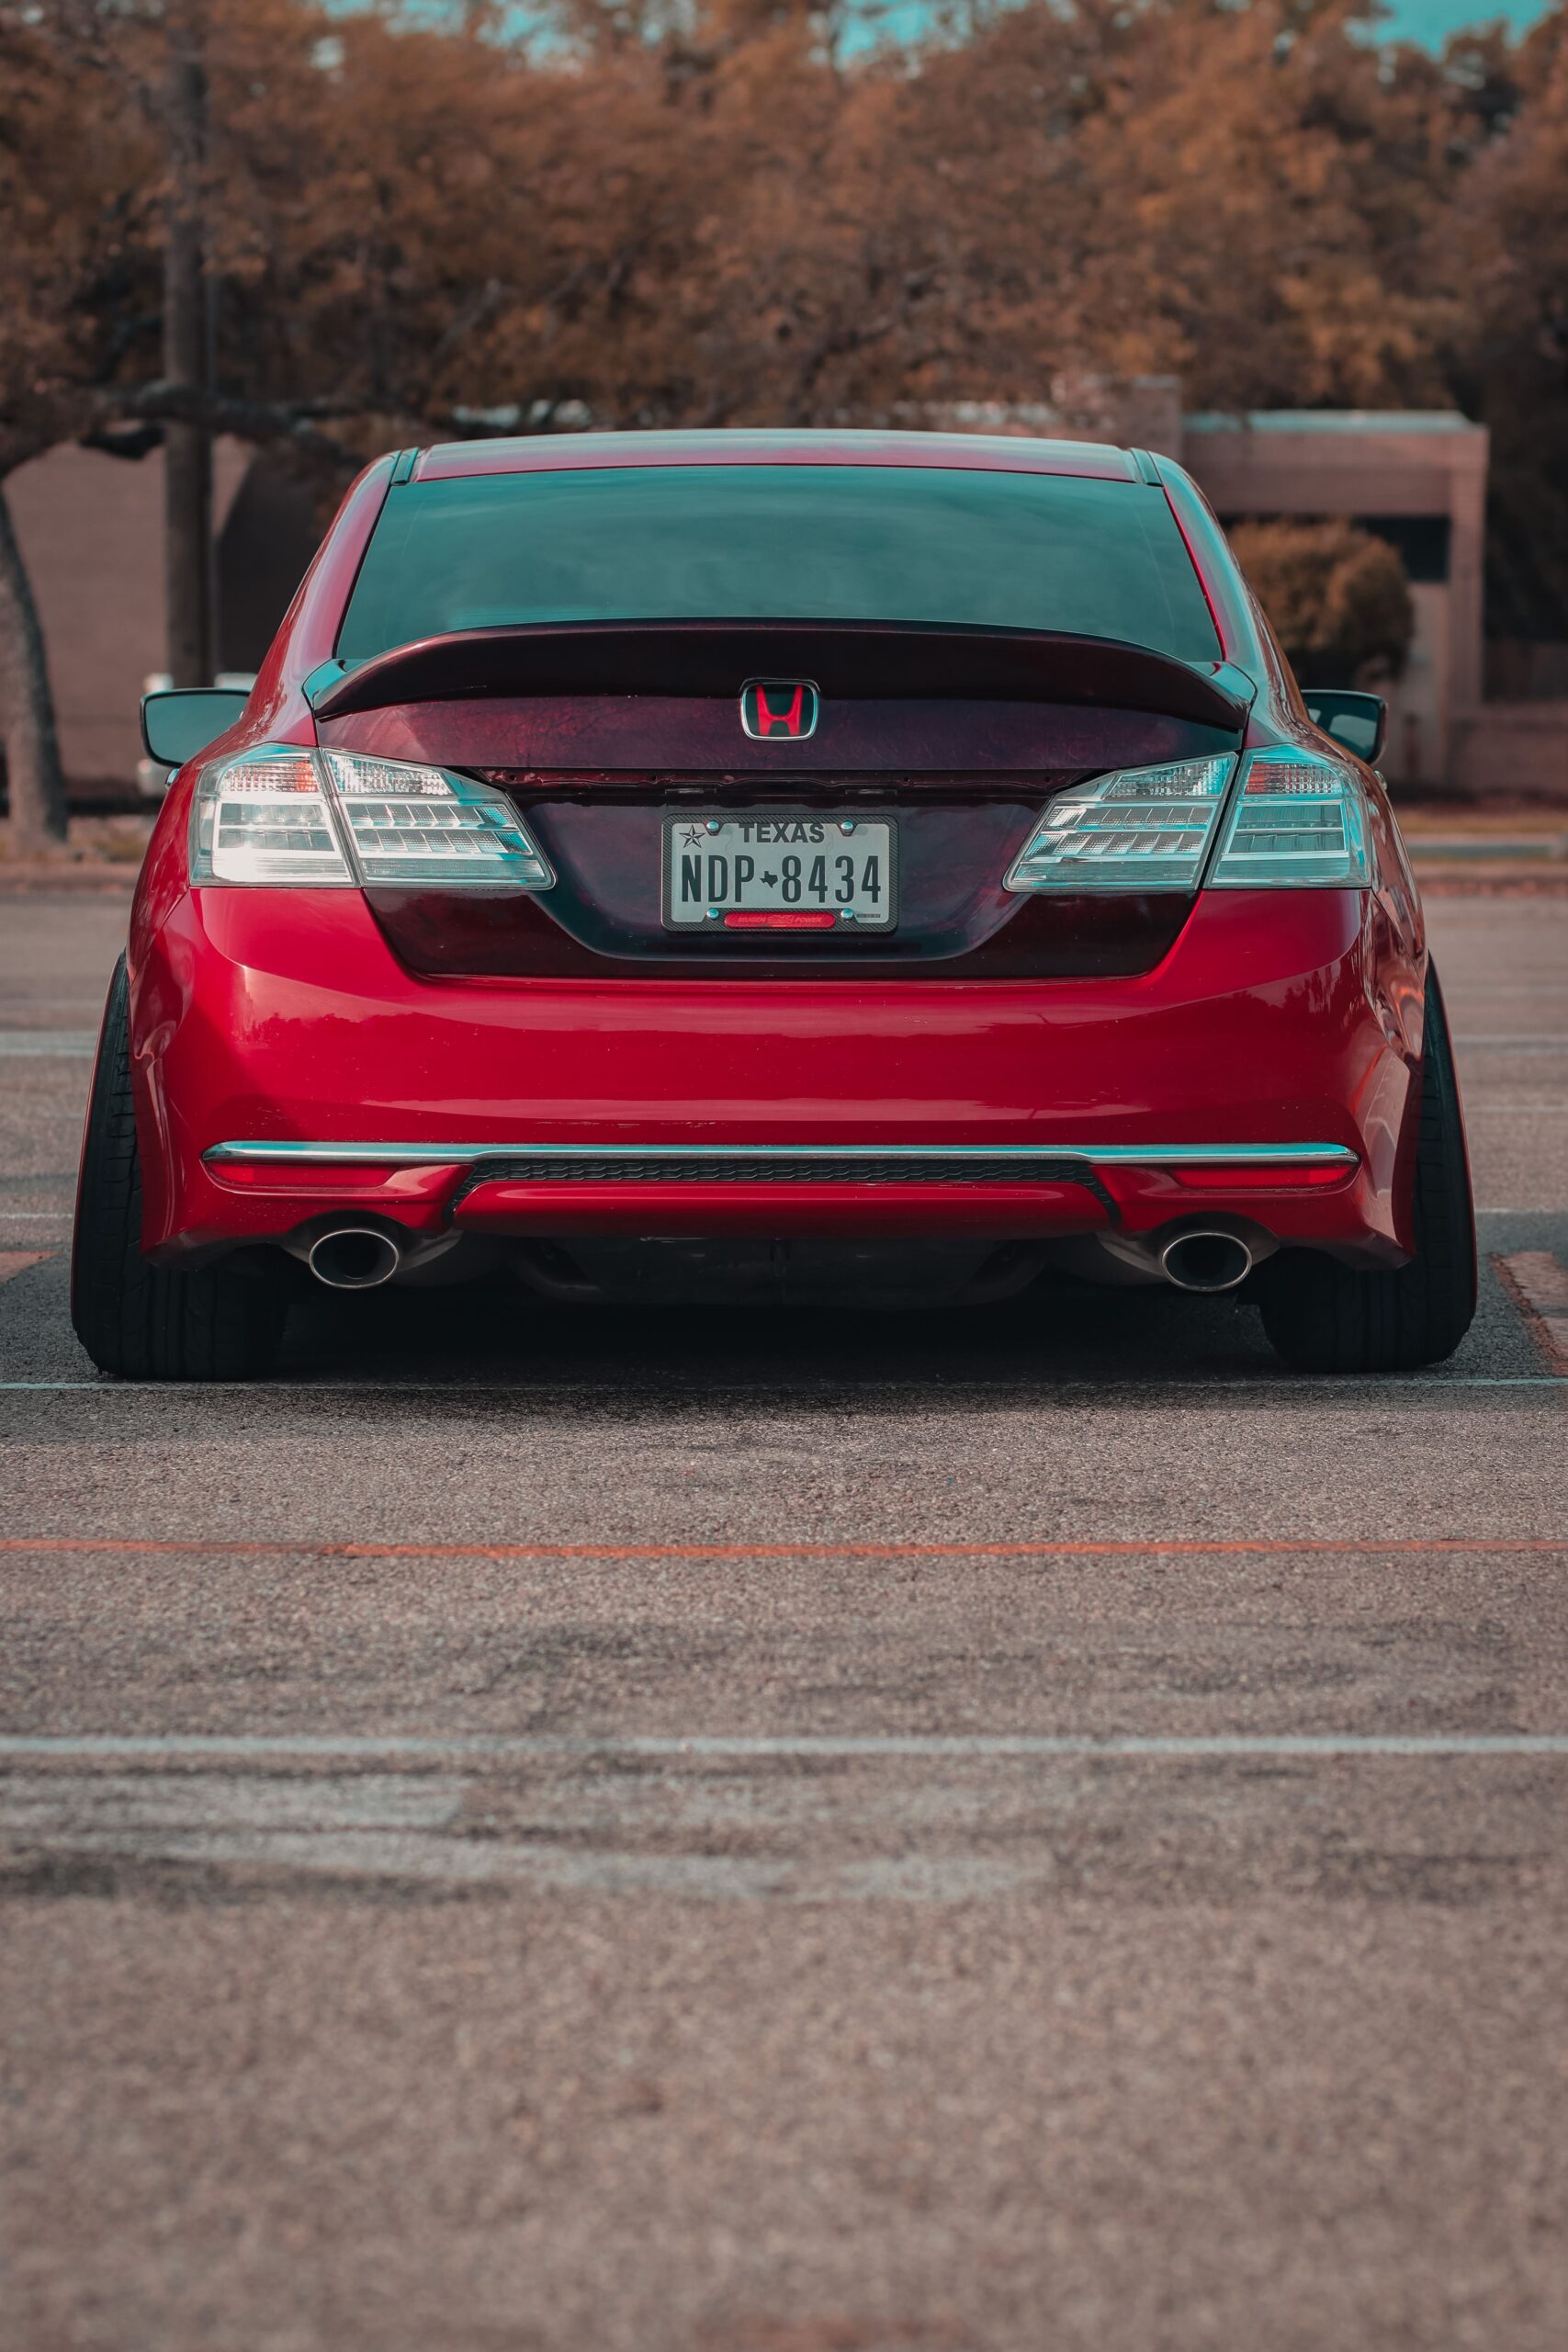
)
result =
(780, 869)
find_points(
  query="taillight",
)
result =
(1296, 819)
(264, 817)
(1299, 819)
(413, 824)
(281, 815)
(1140, 829)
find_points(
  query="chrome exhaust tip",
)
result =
(1205, 1261)
(354, 1257)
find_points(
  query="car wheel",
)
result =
(143, 1321)
(1323, 1316)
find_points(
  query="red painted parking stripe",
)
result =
(1537, 1282)
(17, 1261)
(1068, 1547)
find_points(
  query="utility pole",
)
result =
(188, 570)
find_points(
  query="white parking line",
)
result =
(543, 1746)
(1263, 1384)
(59, 1044)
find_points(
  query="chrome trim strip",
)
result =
(1113, 1155)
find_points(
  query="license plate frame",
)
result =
(834, 835)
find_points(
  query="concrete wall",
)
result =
(1512, 747)
(1420, 702)
(91, 532)
(1391, 466)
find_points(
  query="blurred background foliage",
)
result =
(729, 212)
(1337, 597)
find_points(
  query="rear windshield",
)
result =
(886, 543)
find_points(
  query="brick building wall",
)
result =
(90, 529)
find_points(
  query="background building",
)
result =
(91, 531)
(90, 524)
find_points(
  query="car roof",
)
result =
(972, 452)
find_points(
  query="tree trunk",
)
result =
(188, 359)
(27, 709)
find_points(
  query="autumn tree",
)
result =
(1505, 237)
(365, 225)
(705, 211)
(72, 280)
(86, 198)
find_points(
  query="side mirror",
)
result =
(1358, 721)
(177, 725)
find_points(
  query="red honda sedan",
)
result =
(770, 866)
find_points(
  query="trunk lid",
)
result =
(958, 738)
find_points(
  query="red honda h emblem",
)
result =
(773, 706)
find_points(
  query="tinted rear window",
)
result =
(889, 543)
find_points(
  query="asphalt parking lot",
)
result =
(1030, 1829)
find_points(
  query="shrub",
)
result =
(1337, 597)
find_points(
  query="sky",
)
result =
(1432, 20)
(1428, 21)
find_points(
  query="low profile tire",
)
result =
(143, 1321)
(1323, 1316)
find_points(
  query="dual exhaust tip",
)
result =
(1205, 1261)
(354, 1257)
(361, 1257)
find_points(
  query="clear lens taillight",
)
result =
(416, 824)
(280, 815)
(264, 817)
(1298, 820)
(1141, 828)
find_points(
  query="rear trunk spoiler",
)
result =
(849, 661)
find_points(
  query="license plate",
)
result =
(780, 869)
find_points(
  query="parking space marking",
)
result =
(1063, 1547)
(1527, 1045)
(1537, 1284)
(53, 1045)
(1263, 1385)
(916, 1818)
(719, 1746)
(17, 1261)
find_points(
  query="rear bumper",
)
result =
(288, 1068)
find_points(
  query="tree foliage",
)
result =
(709, 211)
(703, 213)
(1337, 597)
(1504, 241)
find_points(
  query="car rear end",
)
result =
(738, 865)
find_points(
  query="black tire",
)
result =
(143, 1321)
(1323, 1316)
